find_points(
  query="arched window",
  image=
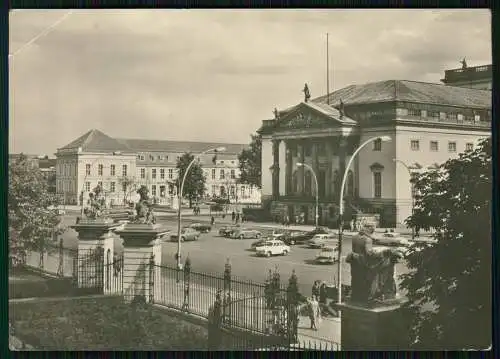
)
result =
(350, 184)
(377, 170)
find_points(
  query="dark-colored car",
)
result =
(201, 227)
(302, 237)
(291, 238)
(228, 230)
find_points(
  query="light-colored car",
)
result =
(321, 240)
(392, 239)
(246, 233)
(328, 255)
(187, 234)
(272, 248)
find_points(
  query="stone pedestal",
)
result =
(378, 328)
(138, 242)
(92, 236)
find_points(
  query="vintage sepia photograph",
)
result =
(255, 180)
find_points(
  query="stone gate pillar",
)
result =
(93, 236)
(139, 242)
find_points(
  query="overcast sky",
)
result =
(212, 75)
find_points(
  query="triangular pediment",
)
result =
(309, 115)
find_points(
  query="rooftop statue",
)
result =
(464, 64)
(144, 208)
(372, 271)
(276, 114)
(97, 204)
(307, 93)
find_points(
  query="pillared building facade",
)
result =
(427, 123)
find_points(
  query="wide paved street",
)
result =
(209, 254)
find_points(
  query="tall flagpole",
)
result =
(327, 73)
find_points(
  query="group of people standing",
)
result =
(236, 217)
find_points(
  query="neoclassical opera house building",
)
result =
(428, 123)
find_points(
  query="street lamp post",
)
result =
(179, 194)
(412, 192)
(341, 209)
(300, 164)
(115, 153)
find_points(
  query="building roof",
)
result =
(330, 111)
(96, 141)
(409, 91)
(141, 145)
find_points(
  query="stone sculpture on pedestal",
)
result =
(372, 271)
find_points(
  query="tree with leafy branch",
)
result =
(33, 219)
(250, 163)
(449, 284)
(127, 184)
(194, 185)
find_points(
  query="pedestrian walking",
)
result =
(313, 312)
(417, 231)
(237, 217)
(212, 221)
(233, 216)
(322, 298)
(315, 290)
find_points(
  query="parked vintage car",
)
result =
(321, 240)
(227, 230)
(392, 239)
(327, 255)
(290, 237)
(243, 233)
(187, 234)
(272, 248)
(201, 227)
(303, 237)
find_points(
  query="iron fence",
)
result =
(90, 269)
(113, 269)
(52, 259)
(246, 304)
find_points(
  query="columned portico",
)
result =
(276, 168)
(282, 149)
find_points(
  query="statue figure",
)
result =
(341, 108)
(464, 64)
(97, 204)
(276, 114)
(307, 94)
(144, 208)
(372, 271)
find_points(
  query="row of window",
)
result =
(451, 116)
(434, 146)
(142, 157)
(100, 170)
(222, 174)
(154, 173)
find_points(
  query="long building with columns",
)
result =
(428, 124)
(120, 166)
